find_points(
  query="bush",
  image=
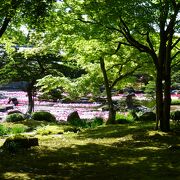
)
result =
(175, 102)
(15, 117)
(96, 122)
(175, 115)
(78, 122)
(43, 116)
(3, 130)
(15, 129)
(124, 118)
(84, 123)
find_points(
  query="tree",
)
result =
(94, 49)
(14, 13)
(149, 26)
(30, 65)
(110, 65)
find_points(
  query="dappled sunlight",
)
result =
(107, 152)
(15, 175)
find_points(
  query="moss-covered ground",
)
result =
(125, 152)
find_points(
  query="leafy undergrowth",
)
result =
(126, 151)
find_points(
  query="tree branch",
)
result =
(4, 26)
(178, 40)
(123, 76)
(97, 23)
(175, 55)
(142, 48)
(118, 64)
(149, 42)
(175, 64)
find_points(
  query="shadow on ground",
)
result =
(111, 152)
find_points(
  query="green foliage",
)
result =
(175, 115)
(175, 102)
(18, 128)
(14, 117)
(124, 118)
(3, 130)
(13, 129)
(78, 123)
(84, 123)
(43, 116)
(96, 122)
(150, 89)
(49, 129)
(31, 13)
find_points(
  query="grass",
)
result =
(126, 151)
(175, 102)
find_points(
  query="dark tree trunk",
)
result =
(112, 111)
(167, 84)
(159, 98)
(30, 99)
(165, 124)
(4, 26)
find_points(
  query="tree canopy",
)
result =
(115, 36)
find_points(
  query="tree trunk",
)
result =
(112, 112)
(165, 124)
(159, 98)
(30, 99)
(167, 85)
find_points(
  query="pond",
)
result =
(60, 110)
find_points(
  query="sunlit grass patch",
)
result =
(16, 176)
(11, 128)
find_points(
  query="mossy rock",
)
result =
(73, 116)
(148, 116)
(43, 116)
(15, 117)
(15, 143)
(175, 115)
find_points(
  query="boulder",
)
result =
(72, 116)
(8, 107)
(148, 116)
(13, 144)
(14, 111)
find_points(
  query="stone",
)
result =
(148, 116)
(72, 116)
(8, 107)
(15, 143)
(14, 111)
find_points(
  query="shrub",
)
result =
(15, 129)
(175, 102)
(78, 122)
(3, 130)
(175, 115)
(96, 122)
(14, 117)
(124, 118)
(43, 116)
